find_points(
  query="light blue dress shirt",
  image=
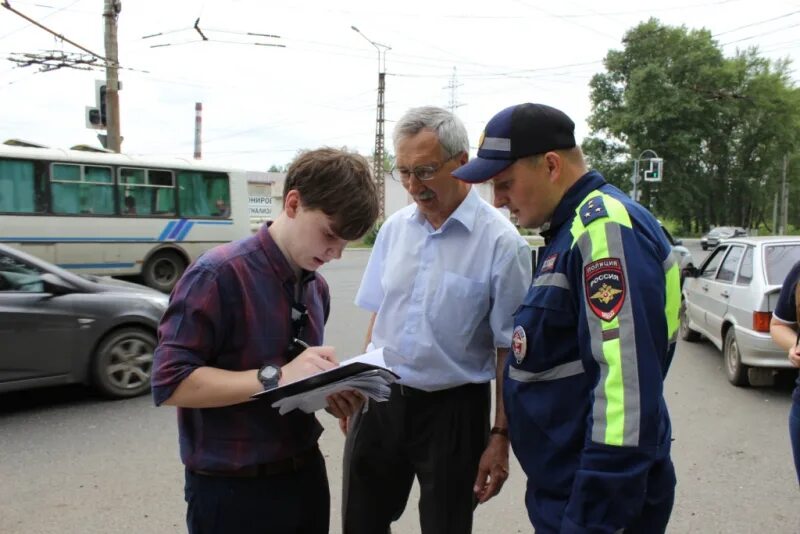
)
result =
(445, 298)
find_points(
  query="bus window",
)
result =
(204, 194)
(18, 187)
(146, 192)
(81, 189)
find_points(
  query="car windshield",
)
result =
(779, 259)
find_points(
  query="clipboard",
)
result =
(324, 378)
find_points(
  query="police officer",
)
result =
(593, 339)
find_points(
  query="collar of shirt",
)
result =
(275, 258)
(565, 210)
(465, 213)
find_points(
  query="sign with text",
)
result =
(260, 206)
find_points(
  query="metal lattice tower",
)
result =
(452, 85)
(378, 156)
(377, 167)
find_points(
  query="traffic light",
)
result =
(96, 117)
(101, 104)
(93, 119)
(654, 173)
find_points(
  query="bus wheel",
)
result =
(163, 270)
(122, 365)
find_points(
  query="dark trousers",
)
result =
(290, 503)
(794, 434)
(438, 437)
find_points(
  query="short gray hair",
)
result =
(448, 128)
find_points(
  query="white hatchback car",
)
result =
(730, 299)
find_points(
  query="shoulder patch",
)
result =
(519, 344)
(592, 210)
(549, 264)
(604, 282)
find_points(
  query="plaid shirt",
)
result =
(232, 310)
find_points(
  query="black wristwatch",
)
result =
(269, 375)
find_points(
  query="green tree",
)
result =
(719, 123)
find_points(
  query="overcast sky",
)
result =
(262, 104)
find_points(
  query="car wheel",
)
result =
(163, 270)
(122, 365)
(686, 333)
(704, 246)
(734, 368)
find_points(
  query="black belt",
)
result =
(408, 391)
(280, 467)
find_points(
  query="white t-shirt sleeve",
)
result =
(511, 278)
(370, 294)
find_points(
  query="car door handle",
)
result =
(724, 294)
(704, 288)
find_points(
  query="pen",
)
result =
(301, 343)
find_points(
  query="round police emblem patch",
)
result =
(604, 281)
(519, 344)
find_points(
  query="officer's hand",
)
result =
(344, 404)
(492, 469)
(311, 361)
(794, 355)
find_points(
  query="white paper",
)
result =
(373, 357)
(372, 383)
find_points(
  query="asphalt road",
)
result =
(73, 463)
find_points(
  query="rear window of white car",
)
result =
(779, 260)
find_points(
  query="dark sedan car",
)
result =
(59, 328)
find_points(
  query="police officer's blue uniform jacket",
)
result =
(592, 343)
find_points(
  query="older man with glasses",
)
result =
(444, 304)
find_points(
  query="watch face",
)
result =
(269, 372)
(269, 375)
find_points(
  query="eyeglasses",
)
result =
(422, 173)
(299, 322)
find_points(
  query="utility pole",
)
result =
(111, 11)
(377, 163)
(784, 198)
(198, 124)
(775, 213)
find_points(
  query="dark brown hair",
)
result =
(338, 183)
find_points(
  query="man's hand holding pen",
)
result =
(315, 360)
(311, 361)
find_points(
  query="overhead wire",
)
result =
(757, 23)
(42, 18)
(762, 34)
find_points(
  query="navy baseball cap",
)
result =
(514, 133)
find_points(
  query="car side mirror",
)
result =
(678, 242)
(690, 271)
(56, 286)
